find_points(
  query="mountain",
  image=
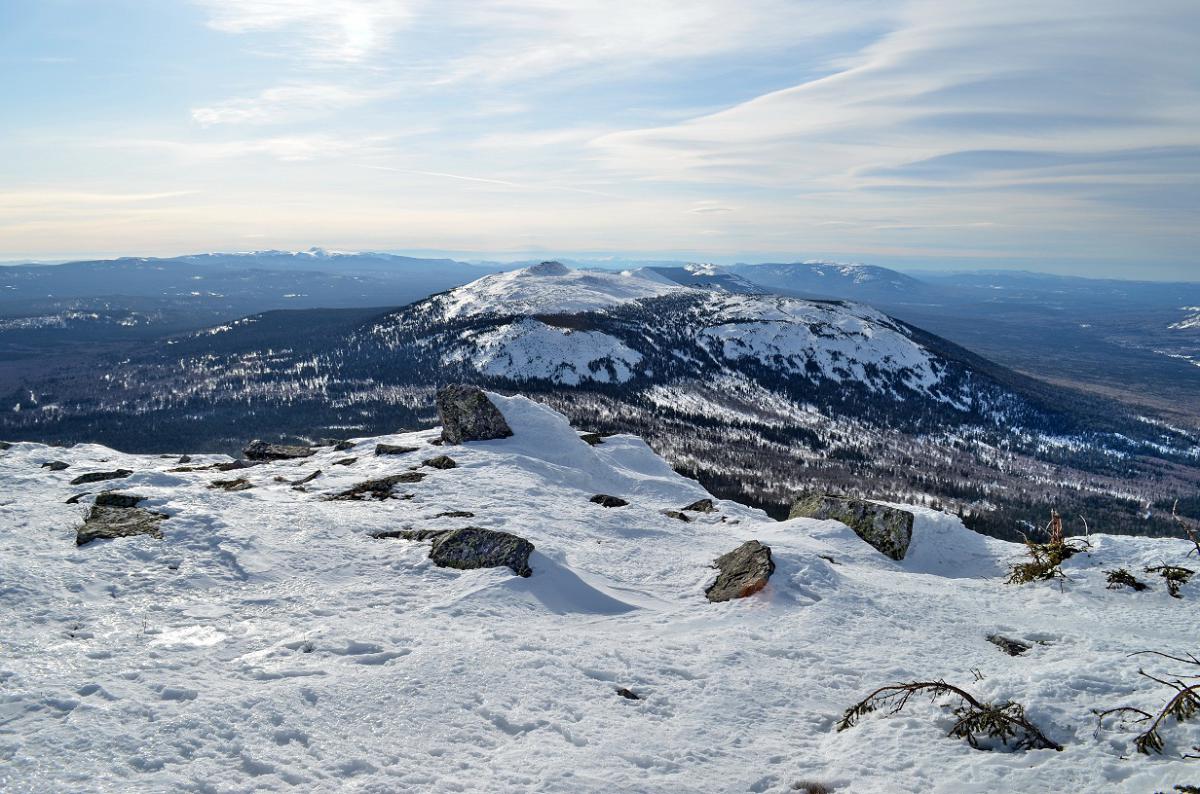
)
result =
(270, 635)
(866, 283)
(757, 395)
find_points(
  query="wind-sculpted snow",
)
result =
(530, 349)
(268, 642)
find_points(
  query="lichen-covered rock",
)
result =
(742, 572)
(393, 449)
(888, 529)
(604, 500)
(467, 414)
(101, 476)
(261, 450)
(702, 506)
(114, 499)
(474, 547)
(441, 462)
(107, 523)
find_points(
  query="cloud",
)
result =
(56, 198)
(286, 103)
(329, 30)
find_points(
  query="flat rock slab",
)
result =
(467, 414)
(114, 499)
(345, 462)
(743, 572)
(107, 523)
(380, 488)
(240, 484)
(441, 462)
(604, 500)
(261, 450)
(887, 529)
(393, 449)
(101, 476)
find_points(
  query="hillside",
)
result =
(268, 641)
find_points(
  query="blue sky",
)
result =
(1045, 135)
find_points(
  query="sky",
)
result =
(1056, 135)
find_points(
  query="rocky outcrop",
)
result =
(55, 465)
(393, 449)
(441, 462)
(342, 446)
(467, 414)
(702, 506)
(107, 523)
(470, 548)
(604, 500)
(591, 439)
(456, 514)
(233, 486)
(888, 529)
(743, 572)
(677, 515)
(261, 450)
(101, 476)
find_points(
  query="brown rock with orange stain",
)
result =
(743, 572)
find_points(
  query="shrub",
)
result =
(1047, 557)
(1123, 578)
(1175, 576)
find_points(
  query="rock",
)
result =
(701, 506)
(184, 459)
(5, 445)
(1009, 646)
(55, 465)
(467, 414)
(393, 449)
(101, 476)
(591, 439)
(474, 547)
(74, 500)
(308, 479)
(342, 446)
(106, 523)
(345, 462)
(677, 515)
(743, 572)
(380, 488)
(456, 514)
(887, 529)
(240, 484)
(409, 534)
(114, 499)
(261, 450)
(604, 500)
(441, 462)
(236, 465)
(628, 694)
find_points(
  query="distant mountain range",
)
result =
(757, 394)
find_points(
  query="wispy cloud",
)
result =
(286, 103)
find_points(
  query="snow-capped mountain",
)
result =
(756, 394)
(868, 283)
(265, 632)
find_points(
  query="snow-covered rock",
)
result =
(268, 641)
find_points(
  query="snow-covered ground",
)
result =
(267, 642)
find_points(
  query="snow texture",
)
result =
(268, 643)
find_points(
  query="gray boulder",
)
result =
(467, 414)
(677, 515)
(101, 476)
(441, 462)
(742, 572)
(887, 529)
(55, 465)
(261, 450)
(702, 506)
(474, 547)
(1008, 645)
(107, 523)
(380, 488)
(604, 500)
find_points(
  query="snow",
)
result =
(268, 643)
(1187, 323)
(529, 349)
(550, 288)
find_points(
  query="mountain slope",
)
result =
(268, 642)
(868, 283)
(725, 385)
